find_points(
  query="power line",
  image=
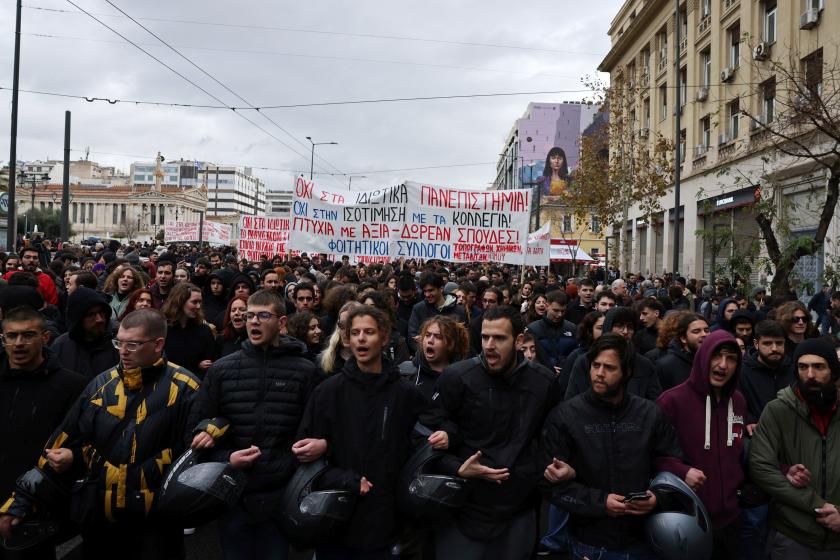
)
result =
(313, 56)
(212, 77)
(147, 53)
(342, 33)
(95, 98)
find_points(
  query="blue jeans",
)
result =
(754, 533)
(243, 539)
(579, 551)
(557, 538)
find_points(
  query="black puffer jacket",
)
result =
(418, 373)
(501, 416)
(88, 357)
(367, 420)
(674, 366)
(612, 449)
(257, 397)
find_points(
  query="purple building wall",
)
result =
(546, 125)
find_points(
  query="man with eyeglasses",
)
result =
(800, 428)
(644, 381)
(86, 346)
(31, 380)
(303, 297)
(127, 470)
(247, 412)
(30, 262)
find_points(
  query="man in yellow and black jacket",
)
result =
(158, 395)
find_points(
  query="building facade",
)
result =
(726, 90)
(278, 202)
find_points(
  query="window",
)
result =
(768, 100)
(663, 102)
(733, 116)
(122, 213)
(75, 212)
(567, 223)
(706, 132)
(90, 212)
(682, 145)
(734, 38)
(114, 216)
(705, 8)
(646, 109)
(683, 86)
(706, 68)
(594, 225)
(646, 61)
(815, 4)
(812, 66)
(770, 21)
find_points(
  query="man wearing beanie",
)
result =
(801, 428)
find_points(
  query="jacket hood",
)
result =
(241, 277)
(699, 378)
(80, 302)
(623, 314)
(288, 347)
(719, 320)
(740, 316)
(389, 372)
(223, 278)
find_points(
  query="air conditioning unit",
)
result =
(809, 19)
(723, 138)
(702, 94)
(727, 74)
(700, 150)
(761, 51)
(644, 132)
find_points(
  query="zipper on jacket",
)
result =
(824, 468)
(384, 422)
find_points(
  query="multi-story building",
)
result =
(543, 127)
(725, 72)
(278, 202)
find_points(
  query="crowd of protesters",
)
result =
(537, 390)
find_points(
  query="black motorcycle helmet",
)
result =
(38, 488)
(311, 515)
(196, 493)
(424, 495)
(681, 528)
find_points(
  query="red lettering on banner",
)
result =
(303, 188)
(426, 232)
(375, 231)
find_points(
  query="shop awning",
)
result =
(564, 252)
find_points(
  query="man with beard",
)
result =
(86, 346)
(164, 280)
(493, 407)
(742, 325)
(611, 438)
(303, 297)
(29, 260)
(270, 377)
(674, 367)
(443, 340)
(491, 298)
(801, 428)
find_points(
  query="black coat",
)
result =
(674, 366)
(612, 449)
(32, 405)
(501, 416)
(189, 346)
(367, 421)
(643, 383)
(759, 383)
(261, 394)
(88, 357)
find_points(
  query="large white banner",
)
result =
(539, 248)
(261, 235)
(413, 221)
(214, 233)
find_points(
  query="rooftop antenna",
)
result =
(87, 152)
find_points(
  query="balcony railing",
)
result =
(704, 27)
(728, 5)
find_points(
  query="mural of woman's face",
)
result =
(557, 162)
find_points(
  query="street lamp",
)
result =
(312, 158)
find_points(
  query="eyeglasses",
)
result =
(261, 315)
(25, 338)
(799, 319)
(130, 345)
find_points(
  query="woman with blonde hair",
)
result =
(337, 351)
(120, 286)
(189, 341)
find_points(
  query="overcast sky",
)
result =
(321, 51)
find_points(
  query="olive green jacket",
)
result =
(786, 435)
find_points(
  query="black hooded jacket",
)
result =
(418, 373)
(760, 383)
(214, 306)
(32, 405)
(257, 397)
(88, 357)
(674, 366)
(367, 421)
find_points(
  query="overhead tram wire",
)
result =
(183, 77)
(212, 77)
(340, 33)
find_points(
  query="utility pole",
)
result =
(678, 126)
(312, 156)
(11, 220)
(65, 185)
